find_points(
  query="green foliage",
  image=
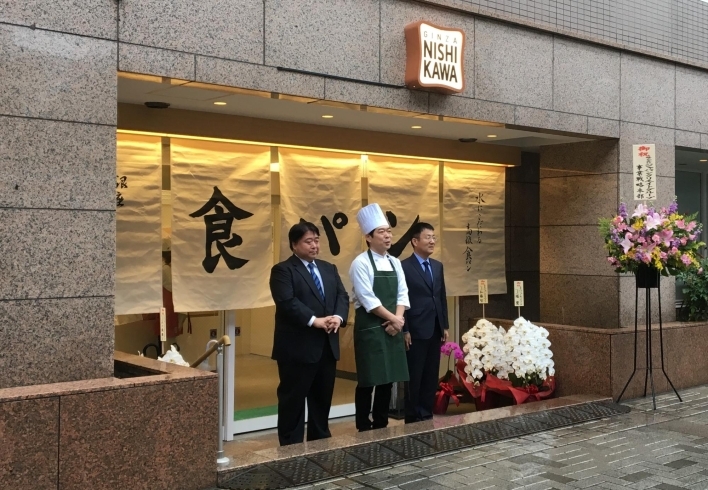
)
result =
(695, 293)
(529, 379)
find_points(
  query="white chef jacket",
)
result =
(362, 276)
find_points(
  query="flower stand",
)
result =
(648, 278)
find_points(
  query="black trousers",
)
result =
(423, 369)
(379, 410)
(301, 383)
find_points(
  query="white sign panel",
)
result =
(222, 243)
(518, 293)
(408, 192)
(138, 224)
(483, 289)
(473, 228)
(325, 189)
(644, 157)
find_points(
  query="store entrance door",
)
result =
(252, 376)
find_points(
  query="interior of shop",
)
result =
(171, 109)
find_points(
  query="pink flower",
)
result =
(683, 241)
(666, 236)
(674, 251)
(691, 237)
(641, 210)
(652, 221)
(656, 238)
(663, 255)
(646, 258)
(641, 239)
(617, 220)
(680, 224)
(686, 259)
(627, 242)
(691, 226)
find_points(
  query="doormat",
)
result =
(305, 470)
(252, 413)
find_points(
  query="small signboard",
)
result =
(483, 291)
(518, 293)
(644, 158)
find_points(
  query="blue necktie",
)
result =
(428, 273)
(311, 266)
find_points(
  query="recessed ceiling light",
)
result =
(219, 103)
(416, 127)
(327, 116)
(704, 160)
(491, 136)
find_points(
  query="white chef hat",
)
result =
(371, 217)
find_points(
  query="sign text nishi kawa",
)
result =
(434, 58)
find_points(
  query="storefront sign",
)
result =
(644, 157)
(434, 58)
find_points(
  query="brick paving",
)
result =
(666, 449)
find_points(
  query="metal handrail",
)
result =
(225, 340)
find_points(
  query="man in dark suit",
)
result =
(426, 325)
(311, 305)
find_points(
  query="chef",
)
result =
(380, 297)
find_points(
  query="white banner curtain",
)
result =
(138, 224)
(325, 189)
(473, 228)
(407, 191)
(222, 247)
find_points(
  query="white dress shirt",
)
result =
(362, 276)
(317, 273)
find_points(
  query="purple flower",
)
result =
(673, 207)
(623, 210)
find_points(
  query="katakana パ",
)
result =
(218, 230)
(339, 221)
(397, 248)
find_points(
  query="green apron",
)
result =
(380, 357)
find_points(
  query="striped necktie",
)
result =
(311, 266)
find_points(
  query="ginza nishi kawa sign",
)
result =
(434, 58)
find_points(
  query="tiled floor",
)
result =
(665, 450)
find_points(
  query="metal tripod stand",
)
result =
(648, 279)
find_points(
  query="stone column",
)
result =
(57, 192)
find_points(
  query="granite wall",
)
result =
(57, 194)
(149, 432)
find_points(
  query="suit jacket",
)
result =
(427, 304)
(297, 301)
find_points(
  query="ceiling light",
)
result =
(327, 116)
(219, 103)
(416, 127)
(491, 136)
(704, 160)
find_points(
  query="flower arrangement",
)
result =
(485, 352)
(529, 353)
(447, 384)
(662, 239)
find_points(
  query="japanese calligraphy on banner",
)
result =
(222, 248)
(325, 189)
(138, 224)
(644, 157)
(408, 192)
(473, 229)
